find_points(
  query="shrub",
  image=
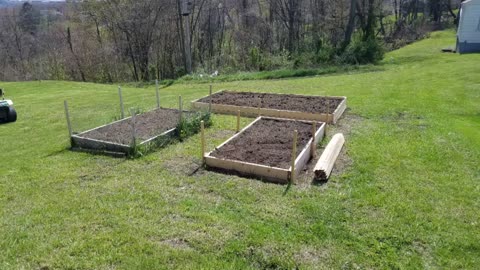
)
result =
(303, 60)
(361, 51)
(278, 60)
(263, 61)
(191, 124)
(324, 52)
(254, 58)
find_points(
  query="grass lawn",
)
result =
(409, 198)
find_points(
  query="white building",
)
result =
(468, 34)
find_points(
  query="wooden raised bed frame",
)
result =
(331, 118)
(271, 174)
(112, 148)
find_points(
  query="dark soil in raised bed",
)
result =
(287, 102)
(267, 142)
(147, 125)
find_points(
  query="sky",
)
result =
(36, 0)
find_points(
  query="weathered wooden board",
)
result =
(92, 144)
(306, 153)
(339, 111)
(331, 118)
(169, 133)
(271, 174)
(98, 145)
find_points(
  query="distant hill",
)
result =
(10, 3)
(21, 1)
(4, 3)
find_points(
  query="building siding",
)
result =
(469, 28)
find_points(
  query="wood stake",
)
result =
(324, 166)
(294, 156)
(314, 145)
(121, 101)
(238, 121)
(158, 94)
(328, 116)
(67, 114)
(180, 107)
(202, 125)
(210, 100)
(134, 133)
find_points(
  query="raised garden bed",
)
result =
(125, 136)
(314, 108)
(264, 149)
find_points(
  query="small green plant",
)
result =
(139, 150)
(191, 124)
(137, 110)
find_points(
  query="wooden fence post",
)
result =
(158, 94)
(121, 101)
(238, 121)
(134, 133)
(202, 125)
(328, 112)
(67, 114)
(294, 156)
(180, 107)
(314, 145)
(210, 100)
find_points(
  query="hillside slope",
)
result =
(408, 197)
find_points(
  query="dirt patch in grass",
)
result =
(346, 124)
(147, 125)
(312, 104)
(184, 166)
(312, 256)
(425, 251)
(177, 243)
(267, 142)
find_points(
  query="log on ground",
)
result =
(324, 166)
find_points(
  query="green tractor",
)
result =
(7, 111)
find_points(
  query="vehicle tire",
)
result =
(11, 115)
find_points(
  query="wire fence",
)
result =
(113, 104)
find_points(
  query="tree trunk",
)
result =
(351, 24)
(369, 31)
(77, 60)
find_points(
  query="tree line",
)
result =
(142, 40)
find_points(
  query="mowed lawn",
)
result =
(409, 196)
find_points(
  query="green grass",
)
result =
(274, 74)
(409, 199)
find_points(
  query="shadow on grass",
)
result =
(243, 175)
(287, 189)
(58, 152)
(319, 183)
(3, 122)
